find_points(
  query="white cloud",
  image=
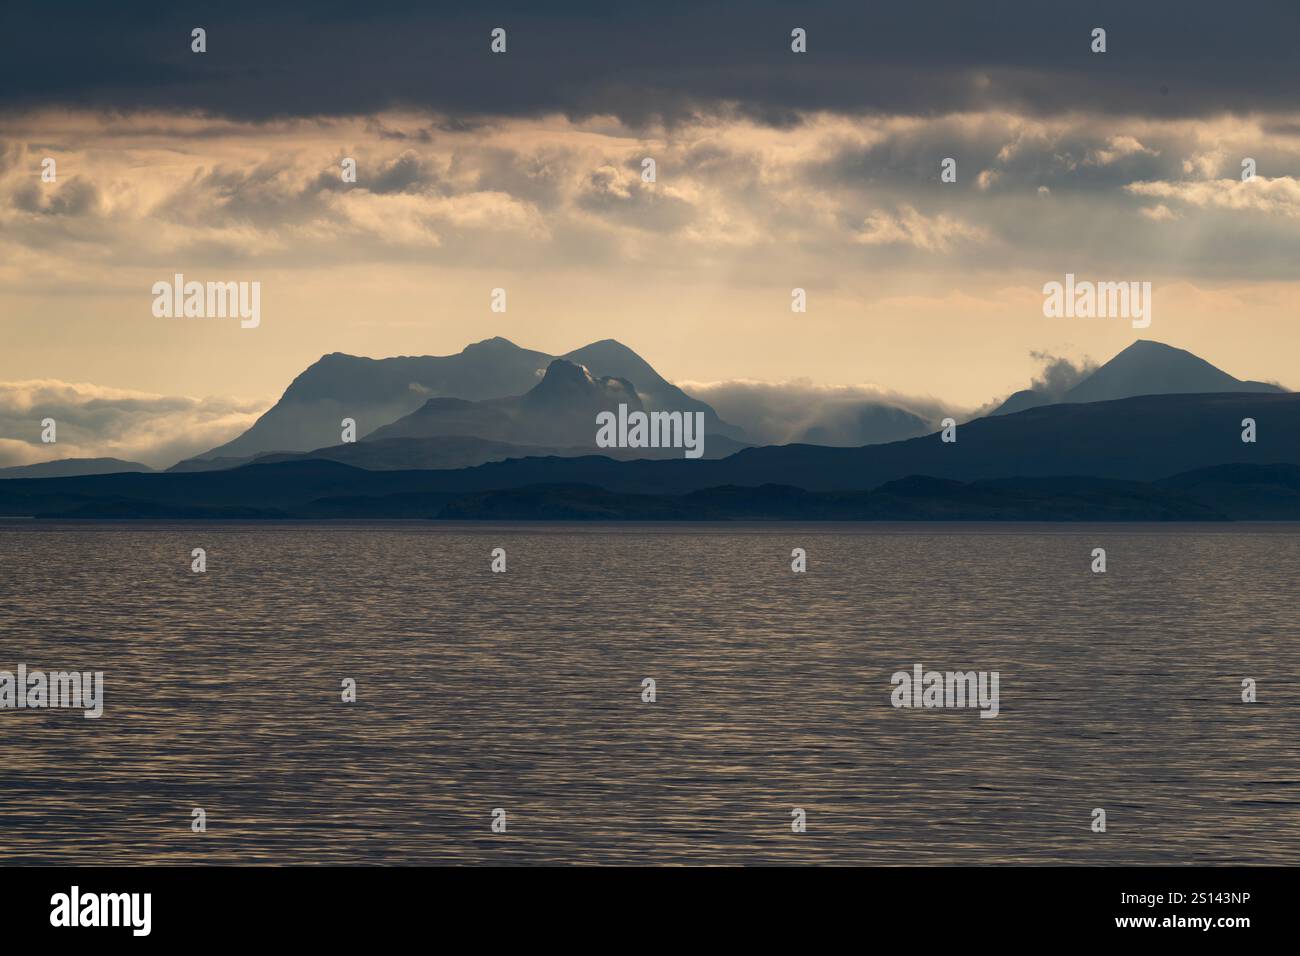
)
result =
(94, 421)
(1204, 165)
(1116, 148)
(778, 413)
(137, 190)
(1279, 196)
(909, 227)
(1158, 213)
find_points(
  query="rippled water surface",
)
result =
(523, 691)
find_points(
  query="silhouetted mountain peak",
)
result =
(1153, 368)
(612, 348)
(573, 386)
(619, 359)
(1145, 367)
(1149, 350)
(333, 362)
(494, 344)
(564, 374)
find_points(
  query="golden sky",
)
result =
(915, 286)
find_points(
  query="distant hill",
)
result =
(1135, 439)
(444, 452)
(916, 498)
(1144, 368)
(375, 392)
(63, 467)
(1021, 400)
(215, 464)
(1246, 492)
(864, 423)
(459, 451)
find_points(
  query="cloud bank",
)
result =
(781, 413)
(97, 422)
(151, 191)
(664, 62)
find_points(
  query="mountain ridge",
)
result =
(376, 392)
(1145, 367)
(65, 467)
(1143, 439)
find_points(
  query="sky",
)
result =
(523, 170)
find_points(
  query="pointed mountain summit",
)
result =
(375, 392)
(1144, 368)
(566, 386)
(613, 358)
(1153, 368)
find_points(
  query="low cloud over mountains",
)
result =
(94, 421)
(779, 413)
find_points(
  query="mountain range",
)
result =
(1100, 452)
(495, 400)
(378, 392)
(556, 416)
(1147, 439)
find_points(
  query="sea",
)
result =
(375, 693)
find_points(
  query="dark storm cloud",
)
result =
(653, 59)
